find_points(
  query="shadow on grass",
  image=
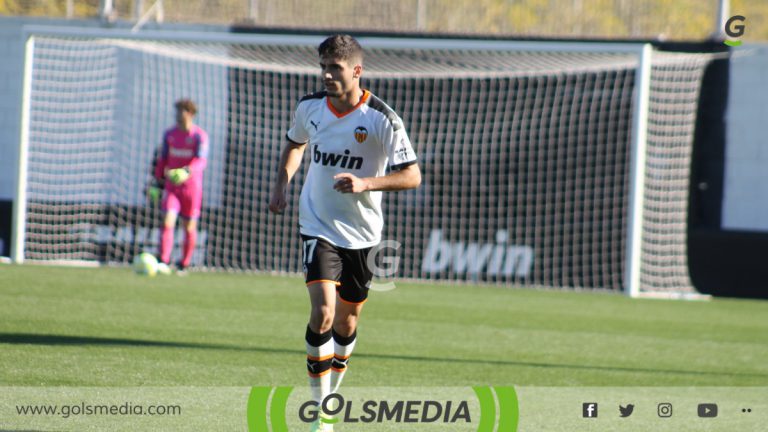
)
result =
(61, 340)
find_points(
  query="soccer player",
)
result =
(179, 169)
(353, 137)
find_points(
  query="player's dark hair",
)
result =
(186, 105)
(343, 47)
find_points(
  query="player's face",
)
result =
(339, 76)
(183, 117)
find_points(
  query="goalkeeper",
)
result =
(179, 171)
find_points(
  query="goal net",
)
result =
(525, 149)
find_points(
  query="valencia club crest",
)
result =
(361, 134)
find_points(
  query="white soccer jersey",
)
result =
(361, 142)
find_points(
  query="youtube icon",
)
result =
(708, 410)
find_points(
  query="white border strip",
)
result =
(67, 263)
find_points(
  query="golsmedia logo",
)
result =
(334, 409)
(482, 409)
(734, 28)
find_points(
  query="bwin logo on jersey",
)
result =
(361, 134)
(333, 159)
(180, 152)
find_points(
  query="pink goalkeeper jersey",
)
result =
(180, 149)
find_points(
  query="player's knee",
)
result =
(169, 221)
(346, 325)
(321, 318)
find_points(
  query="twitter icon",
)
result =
(626, 411)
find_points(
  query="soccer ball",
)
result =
(145, 264)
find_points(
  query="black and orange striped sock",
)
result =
(342, 350)
(319, 356)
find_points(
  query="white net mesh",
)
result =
(674, 95)
(525, 156)
(71, 141)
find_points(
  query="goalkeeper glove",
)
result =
(154, 191)
(178, 176)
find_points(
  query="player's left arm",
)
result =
(200, 161)
(404, 170)
(406, 178)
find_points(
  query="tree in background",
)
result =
(49, 8)
(756, 13)
(678, 20)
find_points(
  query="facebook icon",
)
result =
(589, 409)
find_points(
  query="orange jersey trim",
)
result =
(338, 114)
(350, 302)
(338, 370)
(342, 357)
(337, 283)
(324, 358)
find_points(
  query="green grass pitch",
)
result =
(110, 327)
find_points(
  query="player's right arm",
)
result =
(290, 161)
(155, 188)
(162, 160)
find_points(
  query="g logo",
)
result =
(386, 267)
(734, 30)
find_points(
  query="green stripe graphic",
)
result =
(277, 409)
(257, 409)
(508, 409)
(487, 408)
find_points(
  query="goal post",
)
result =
(637, 174)
(560, 164)
(20, 202)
